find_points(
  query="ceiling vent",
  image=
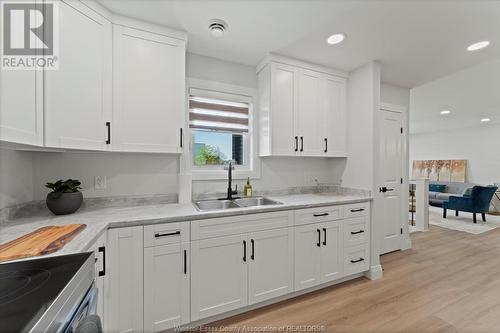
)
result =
(217, 28)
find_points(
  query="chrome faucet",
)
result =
(229, 167)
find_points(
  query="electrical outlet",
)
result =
(100, 182)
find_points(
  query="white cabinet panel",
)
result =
(270, 264)
(307, 256)
(310, 114)
(149, 89)
(123, 289)
(218, 275)
(356, 259)
(99, 249)
(21, 109)
(334, 116)
(77, 98)
(166, 286)
(332, 251)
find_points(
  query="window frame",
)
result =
(226, 91)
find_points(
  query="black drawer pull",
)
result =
(357, 210)
(108, 125)
(359, 260)
(252, 256)
(102, 272)
(357, 232)
(318, 244)
(158, 235)
(296, 143)
(319, 215)
(185, 261)
(244, 251)
(324, 233)
(326, 145)
(301, 143)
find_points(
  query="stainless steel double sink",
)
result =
(219, 204)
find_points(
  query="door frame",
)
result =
(406, 241)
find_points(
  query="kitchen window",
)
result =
(221, 127)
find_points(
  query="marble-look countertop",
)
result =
(98, 220)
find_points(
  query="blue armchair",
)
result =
(475, 202)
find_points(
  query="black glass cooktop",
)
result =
(28, 288)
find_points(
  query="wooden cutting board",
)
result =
(42, 241)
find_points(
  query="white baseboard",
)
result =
(406, 244)
(376, 272)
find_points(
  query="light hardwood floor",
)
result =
(448, 282)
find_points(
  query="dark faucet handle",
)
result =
(236, 189)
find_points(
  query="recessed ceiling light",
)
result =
(335, 38)
(445, 112)
(485, 120)
(478, 45)
(217, 28)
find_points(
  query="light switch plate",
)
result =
(100, 182)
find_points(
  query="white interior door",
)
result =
(270, 269)
(391, 165)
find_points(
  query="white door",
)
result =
(332, 253)
(100, 273)
(307, 256)
(310, 114)
(391, 165)
(77, 98)
(166, 286)
(149, 90)
(334, 117)
(283, 108)
(270, 264)
(218, 275)
(123, 300)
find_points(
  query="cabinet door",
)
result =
(166, 287)
(21, 111)
(283, 109)
(148, 81)
(76, 95)
(307, 256)
(332, 257)
(100, 273)
(334, 117)
(270, 264)
(310, 122)
(218, 275)
(123, 289)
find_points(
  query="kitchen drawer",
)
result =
(166, 233)
(234, 225)
(359, 209)
(356, 231)
(356, 259)
(320, 214)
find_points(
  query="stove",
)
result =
(43, 295)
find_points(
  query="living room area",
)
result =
(455, 145)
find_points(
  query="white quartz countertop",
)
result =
(98, 220)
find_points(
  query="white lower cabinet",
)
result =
(218, 275)
(124, 284)
(99, 249)
(318, 254)
(166, 286)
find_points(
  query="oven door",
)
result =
(86, 308)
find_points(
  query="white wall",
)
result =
(16, 177)
(391, 94)
(480, 146)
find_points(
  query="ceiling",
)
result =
(415, 41)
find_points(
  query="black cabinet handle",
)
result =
(301, 143)
(108, 125)
(324, 234)
(296, 143)
(319, 215)
(185, 261)
(357, 232)
(253, 249)
(318, 244)
(102, 249)
(385, 189)
(181, 137)
(357, 210)
(359, 260)
(244, 251)
(326, 145)
(158, 235)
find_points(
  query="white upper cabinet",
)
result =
(302, 109)
(148, 91)
(77, 95)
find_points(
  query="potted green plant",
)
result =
(65, 197)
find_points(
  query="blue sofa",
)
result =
(440, 192)
(478, 202)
